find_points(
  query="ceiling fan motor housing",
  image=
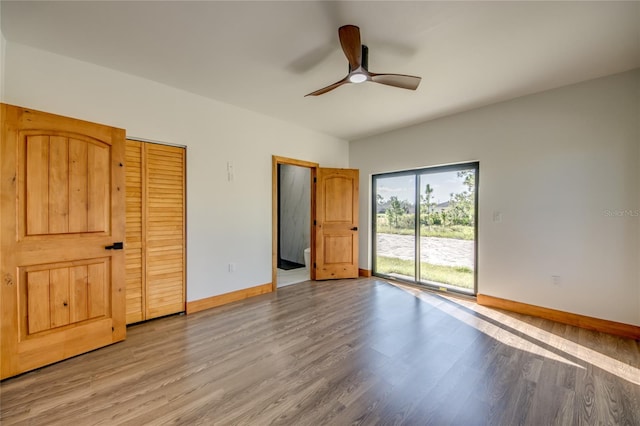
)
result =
(364, 60)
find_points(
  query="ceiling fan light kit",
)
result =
(357, 55)
(358, 77)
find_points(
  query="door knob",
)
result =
(355, 228)
(115, 246)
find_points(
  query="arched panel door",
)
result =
(336, 254)
(63, 215)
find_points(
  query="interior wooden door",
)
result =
(155, 241)
(336, 254)
(62, 205)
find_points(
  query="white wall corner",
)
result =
(554, 163)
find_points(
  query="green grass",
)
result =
(457, 232)
(459, 276)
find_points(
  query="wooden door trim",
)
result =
(590, 323)
(276, 160)
(137, 139)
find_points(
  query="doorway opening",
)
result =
(293, 216)
(425, 226)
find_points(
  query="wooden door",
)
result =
(336, 254)
(135, 231)
(62, 203)
(155, 240)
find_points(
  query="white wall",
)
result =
(559, 165)
(3, 45)
(227, 222)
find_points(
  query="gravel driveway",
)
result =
(434, 250)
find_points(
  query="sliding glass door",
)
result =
(425, 226)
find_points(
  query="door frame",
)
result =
(275, 162)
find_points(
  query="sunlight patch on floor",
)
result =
(570, 348)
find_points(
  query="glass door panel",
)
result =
(395, 226)
(447, 229)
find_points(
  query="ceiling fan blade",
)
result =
(351, 46)
(329, 88)
(397, 80)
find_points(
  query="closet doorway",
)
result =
(155, 230)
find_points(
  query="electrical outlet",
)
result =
(232, 267)
(555, 279)
(497, 217)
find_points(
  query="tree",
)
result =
(469, 179)
(426, 206)
(394, 211)
(461, 210)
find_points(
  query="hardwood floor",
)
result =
(340, 352)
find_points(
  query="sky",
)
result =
(443, 184)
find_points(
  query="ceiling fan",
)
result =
(357, 55)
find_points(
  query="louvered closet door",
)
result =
(164, 230)
(155, 230)
(134, 253)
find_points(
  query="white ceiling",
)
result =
(265, 56)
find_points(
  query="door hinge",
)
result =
(314, 265)
(315, 223)
(315, 180)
